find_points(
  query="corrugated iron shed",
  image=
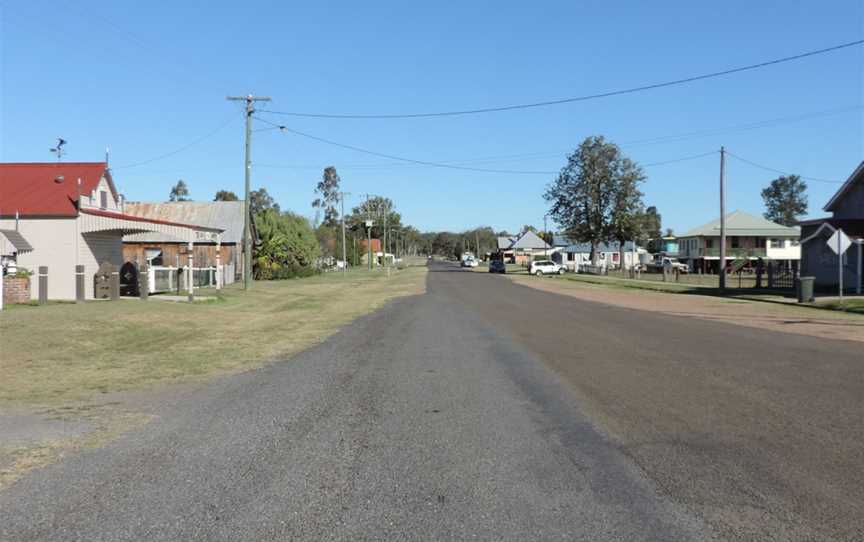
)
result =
(223, 215)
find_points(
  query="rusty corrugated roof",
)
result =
(223, 215)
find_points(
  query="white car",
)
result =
(546, 267)
(469, 262)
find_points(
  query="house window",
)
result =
(735, 242)
(709, 243)
(794, 242)
(760, 242)
(777, 243)
(103, 199)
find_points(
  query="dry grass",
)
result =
(62, 353)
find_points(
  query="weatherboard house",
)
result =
(65, 215)
(523, 248)
(748, 237)
(818, 260)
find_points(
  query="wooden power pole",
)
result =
(247, 227)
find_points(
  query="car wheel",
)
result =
(538, 273)
(561, 271)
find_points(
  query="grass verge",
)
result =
(62, 353)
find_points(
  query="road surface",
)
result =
(484, 409)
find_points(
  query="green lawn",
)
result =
(65, 352)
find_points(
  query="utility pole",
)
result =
(247, 227)
(722, 220)
(344, 257)
(368, 232)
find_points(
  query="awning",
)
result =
(96, 220)
(12, 241)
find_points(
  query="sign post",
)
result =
(839, 243)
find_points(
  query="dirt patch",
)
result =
(769, 316)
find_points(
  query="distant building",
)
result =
(847, 213)
(748, 237)
(574, 254)
(523, 248)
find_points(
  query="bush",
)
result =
(287, 248)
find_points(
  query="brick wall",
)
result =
(16, 290)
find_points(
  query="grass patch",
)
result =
(855, 306)
(62, 353)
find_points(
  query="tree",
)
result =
(785, 200)
(225, 195)
(179, 192)
(376, 209)
(596, 195)
(287, 246)
(328, 189)
(652, 226)
(260, 200)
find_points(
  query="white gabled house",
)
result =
(71, 214)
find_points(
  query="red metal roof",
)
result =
(35, 189)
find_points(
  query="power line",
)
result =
(673, 138)
(402, 159)
(181, 149)
(781, 172)
(546, 103)
(443, 164)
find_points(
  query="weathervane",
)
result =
(58, 150)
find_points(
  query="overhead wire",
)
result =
(672, 138)
(547, 103)
(444, 164)
(781, 172)
(181, 149)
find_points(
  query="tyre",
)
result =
(561, 271)
(538, 273)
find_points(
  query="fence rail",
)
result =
(173, 279)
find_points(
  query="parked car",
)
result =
(665, 262)
(546, 267)
(497, 266)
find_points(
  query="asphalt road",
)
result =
(488, 410)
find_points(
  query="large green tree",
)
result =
(260, 200)
(596, 196)
(652, 226)
(225, 195)
(785, 200)
(328, 196)
(179, 192)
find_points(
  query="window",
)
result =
(709, 243)
(103, 199)
(735, 242)
(794, 242)
(760, 242)
(777, 243)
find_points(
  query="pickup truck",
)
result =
(659, 263)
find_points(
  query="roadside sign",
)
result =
(839, 242)
(369, 223)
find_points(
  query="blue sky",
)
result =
(147, 78)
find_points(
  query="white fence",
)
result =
(173, 279)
